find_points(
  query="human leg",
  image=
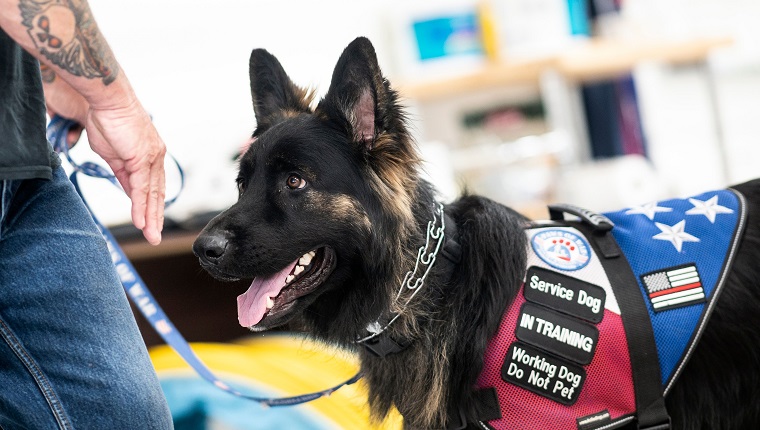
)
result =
(69, 344)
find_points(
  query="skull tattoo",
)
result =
(65, 32)
(53, 28)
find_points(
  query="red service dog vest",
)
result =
(563, 357)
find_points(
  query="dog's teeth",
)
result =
(289, 279)
(311, 253)
(305, 260)
(270, 303)
(298, 270)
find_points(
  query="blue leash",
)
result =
(57, 131)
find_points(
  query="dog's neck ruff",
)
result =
(377, 340)
(609, 313)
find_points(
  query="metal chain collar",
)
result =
(426, 256)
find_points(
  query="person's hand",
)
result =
(127, 140)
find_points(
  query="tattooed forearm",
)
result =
(48, 75)
(65, 32)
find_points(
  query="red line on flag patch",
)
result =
(676, 289)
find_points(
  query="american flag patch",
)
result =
(674, 287)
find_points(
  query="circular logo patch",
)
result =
(561, 249)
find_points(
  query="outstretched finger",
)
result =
(139, 184)
(154, 217)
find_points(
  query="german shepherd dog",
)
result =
(331, 213)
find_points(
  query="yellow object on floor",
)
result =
(275, 365)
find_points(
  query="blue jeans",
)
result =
(71, 355)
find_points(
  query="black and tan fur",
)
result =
(365, 201)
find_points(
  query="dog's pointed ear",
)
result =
(360, 99)
(275, 96)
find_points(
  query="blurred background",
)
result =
(600, 103)
(605, 103)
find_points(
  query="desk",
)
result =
(597, 59)
(601, 59)
(172, 244)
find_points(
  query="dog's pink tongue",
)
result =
(252, 305)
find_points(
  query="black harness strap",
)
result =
(650, 404)
(645, 366)
(486, 405)
(383, 345)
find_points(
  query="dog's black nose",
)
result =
(210, 247)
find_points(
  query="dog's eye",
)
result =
(295, 182)
(240, 186)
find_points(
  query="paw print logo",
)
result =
(561, 248)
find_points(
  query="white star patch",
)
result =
(648, 209)
(674, 234)
(709, 208)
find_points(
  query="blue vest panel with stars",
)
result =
(680, 252)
